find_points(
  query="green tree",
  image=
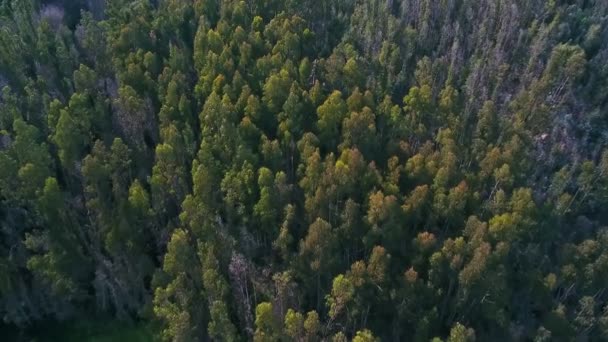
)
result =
(330, 115)
(176, 297)
(267, 328)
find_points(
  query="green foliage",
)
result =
(330, 114)
(305, 170)
(266, 325)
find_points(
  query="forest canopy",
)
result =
(306, 170)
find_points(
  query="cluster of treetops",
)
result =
(307, 170)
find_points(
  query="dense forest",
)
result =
(306, 170)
